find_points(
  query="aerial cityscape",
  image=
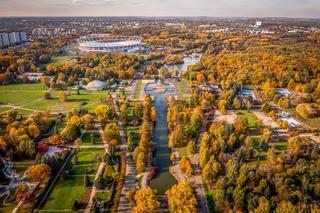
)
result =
(160, 106)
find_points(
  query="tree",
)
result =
(3, 144)
(153, 114)
(33, 131)
(141, 161)
(146, 201)
(185, 166)
(191, 147)
(111, 132)
(86, 181)
(240, 125)
(222, 106)
(62, 97)
(181, 198)
(39, 172)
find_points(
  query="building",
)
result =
(23, 36)
(4, 40)
(258, 24)
(96, 85)
(8, 39)
(14, 38)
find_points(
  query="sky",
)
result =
(214, 8)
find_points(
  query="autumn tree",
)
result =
(111, 132)
(39, 172)
(181, 198)
(185, 166)
(146, 200)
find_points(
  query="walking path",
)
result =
(176, 167)
(99, 172)
(130, 180)
(229, 117)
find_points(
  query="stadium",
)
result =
(109, 43)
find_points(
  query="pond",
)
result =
(164, 180)
(187, 60)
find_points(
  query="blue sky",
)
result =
(238, 8)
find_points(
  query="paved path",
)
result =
(196, 178)
(130, 180)
(176, 167)
(229, 117)
(99, 172)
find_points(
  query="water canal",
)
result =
(164, 180)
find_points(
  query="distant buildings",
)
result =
(258, 24)
(13, 38)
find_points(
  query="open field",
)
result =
(19, 94)
(251, 117)
(87, 99)
(72, 188)
(60, 59)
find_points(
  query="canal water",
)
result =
(164, 180)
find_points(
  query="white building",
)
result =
(14, 38)
(4, 40)
(23, 36)
(258, 24)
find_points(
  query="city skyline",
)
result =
(216, 8)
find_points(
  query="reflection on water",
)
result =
(164, 180)
(188, 60)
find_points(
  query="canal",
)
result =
(164, 180)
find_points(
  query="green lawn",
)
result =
(86, 99)
(86, 138)
(65, 193)
(137, 89)
(252, 118)
(33, 86)
(61, 59)
(181, 88)
(87, 161)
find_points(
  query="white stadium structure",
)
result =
(109, 43)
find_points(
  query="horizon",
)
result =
(309, 9)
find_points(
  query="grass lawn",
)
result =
(65, 193)
(183, 152)
(181, 88)
(87, 161)
(252, 118)
(137, 89)
(30, 86)
(60, 59)
(86, 138)
(86, 98)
